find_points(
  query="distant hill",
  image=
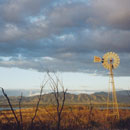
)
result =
(16, 92)
(25, 92)
(98, 97)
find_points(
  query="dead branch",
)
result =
(55, 84)
(90, 115)
(17, 121)
(38, 102)
(20, 113)
(128, 92)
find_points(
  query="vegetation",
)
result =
(74, 117)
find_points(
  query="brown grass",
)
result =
(73, 117)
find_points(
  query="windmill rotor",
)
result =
(110, 58)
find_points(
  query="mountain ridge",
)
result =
(83, 98)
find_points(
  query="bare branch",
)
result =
(90, 115)
(55, 85)
(128, 92)
(50, 77)
(63, 101)
(11, 107)
(37, 106)
(21, 119)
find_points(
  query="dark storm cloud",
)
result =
(63, 36)
(100, 13)
(18, 10)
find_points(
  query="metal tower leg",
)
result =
(115, 111)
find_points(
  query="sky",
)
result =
(63, 36)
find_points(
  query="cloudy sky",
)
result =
(63, 36)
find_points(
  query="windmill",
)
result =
(110, 61)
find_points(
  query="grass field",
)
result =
(74, 117)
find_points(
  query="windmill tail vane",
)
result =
(97, 59)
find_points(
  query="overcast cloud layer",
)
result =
(64, 35)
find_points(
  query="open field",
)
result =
(77, 117)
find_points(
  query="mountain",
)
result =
(25, 92)
(122, 96)
(98, 97)
(16, 92)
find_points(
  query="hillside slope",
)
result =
(99, 97)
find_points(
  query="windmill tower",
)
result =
(110, 61)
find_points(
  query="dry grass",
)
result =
(73, 117)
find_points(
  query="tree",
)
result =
(59, 96)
